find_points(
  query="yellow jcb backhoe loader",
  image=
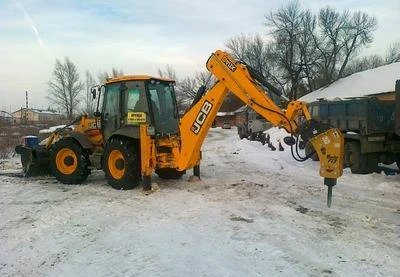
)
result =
(138, 130)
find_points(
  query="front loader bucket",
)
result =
(35, 161)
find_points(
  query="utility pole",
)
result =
(26, 108)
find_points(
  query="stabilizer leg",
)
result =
(146, 183)
(196, 171)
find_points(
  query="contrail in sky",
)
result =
(35, 30)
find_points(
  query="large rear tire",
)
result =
(373, 160)
(122, 164)
(69, 162)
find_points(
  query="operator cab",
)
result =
(133, 100)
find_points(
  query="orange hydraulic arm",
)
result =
(236, 77)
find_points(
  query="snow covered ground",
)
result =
(254, 213)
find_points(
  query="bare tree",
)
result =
(238, 47)
(90, 104)
(393, 53)
(305, 51)
(189, 86)
(341, 37)
(205, 78)
(252, 50)
(169, 72)
(375, 60)
(258, 54)
(361, 27)
(104, 76)
(286, 28)
(65, 87)
(310, 57)
(363, 63)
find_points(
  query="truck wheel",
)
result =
(309, 149)
(373, 160)
(240, 132)
(357, 162)
(69, 161)
(121, 164)
(169, 173)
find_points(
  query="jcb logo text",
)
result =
(201, 117)
(231, 65)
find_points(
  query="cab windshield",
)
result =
(163, 105)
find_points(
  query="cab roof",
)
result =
(136, 78)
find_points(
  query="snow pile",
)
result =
(51, 129)
(276, 134)
(378, 80)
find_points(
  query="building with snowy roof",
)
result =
(5, 117)
(36, 115)
(379, 82)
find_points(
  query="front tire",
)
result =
(121, 164)
(69, 162)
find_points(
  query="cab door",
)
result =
(111, 119)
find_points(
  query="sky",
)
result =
(138, 37)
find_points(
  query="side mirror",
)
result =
(93, 91)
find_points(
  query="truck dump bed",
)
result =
(398, 107)
(365, 116)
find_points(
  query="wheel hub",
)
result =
(116, 164)
(68, 161)
(120, 164)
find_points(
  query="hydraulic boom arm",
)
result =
(240, 79)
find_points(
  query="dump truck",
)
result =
(370, 125)
(137, 131)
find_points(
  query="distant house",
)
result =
(226, 113)
(241, 115)
(36, 116)
(5, 117)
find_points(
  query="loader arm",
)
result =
(237, 78)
